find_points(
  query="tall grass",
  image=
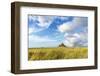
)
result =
(57, 53)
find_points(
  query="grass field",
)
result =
(57, 53)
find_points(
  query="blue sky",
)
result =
(51, 31)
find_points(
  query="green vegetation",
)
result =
(57, 53)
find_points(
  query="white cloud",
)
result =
(70, 40)
(65, 27)
(77, 35)
(76, 39)
(62, 17)
(40, 23)
(66, 34)
(31, 30)
(31, 17)
(35, 38)
(68, 26)
(68, 43)
(45, 21)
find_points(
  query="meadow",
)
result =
(57, 53)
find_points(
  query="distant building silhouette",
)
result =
(62, 45)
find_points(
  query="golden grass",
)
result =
(57, 53)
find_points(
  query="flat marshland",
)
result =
(57, 53)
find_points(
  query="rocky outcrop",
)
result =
(62, 45)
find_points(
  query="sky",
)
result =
(51, 31)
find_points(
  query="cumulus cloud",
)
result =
(76, 39)
(71, 39)
(65, 27)
(42, 21)
(45, 21)
(69, 26)
(39, 23)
